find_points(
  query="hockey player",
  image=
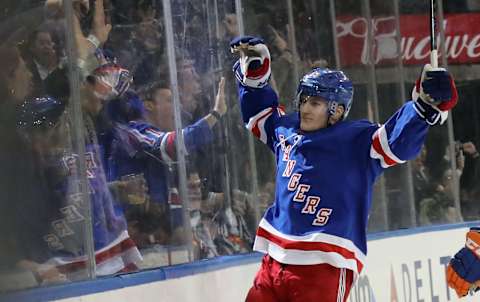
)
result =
(463, 271)
(314, 234)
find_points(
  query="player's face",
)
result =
(313, 113)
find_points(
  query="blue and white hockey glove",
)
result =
(463, 271)
(253, 67)
(434, 94)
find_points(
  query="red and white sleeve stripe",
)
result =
(256, 124)
(167, 146)
(139, 137)
(380, 149)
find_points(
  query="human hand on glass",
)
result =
(98, 34)
(100, 28)
(220, 103)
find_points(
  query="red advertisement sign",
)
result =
(462, 39)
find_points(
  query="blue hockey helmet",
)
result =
(39, 113)
(331, 85)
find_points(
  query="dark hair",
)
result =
(147, 92)
(26, 47)
(33, 37)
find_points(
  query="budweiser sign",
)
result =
(462, 39)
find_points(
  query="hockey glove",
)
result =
(253, 68)
(463, 271)
(434, 94)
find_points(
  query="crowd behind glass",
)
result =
(119, 155)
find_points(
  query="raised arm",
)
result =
(258, 101)
(402, 136)
(139, 136)
(151, 140)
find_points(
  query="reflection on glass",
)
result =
(100, 173)
(215, 171)
(40, 204)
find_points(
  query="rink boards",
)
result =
(409, 265)
(402, 266)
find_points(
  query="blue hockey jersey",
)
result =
(324, 179)
(114, 249)
(139, 147)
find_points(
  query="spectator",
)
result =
(18, 19)
(189, 89)
(23, 196)
(284, 83)
(110, 228)
(440, 207)
(160, 114)
(32, 243)
(470, 175)
(114, 250)
(158, 104)
(230, 24)
(220, 229)
(140, 146)
(147, 37)
(47, 68)
(423, 183)
(469, 181)
(201, 214)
